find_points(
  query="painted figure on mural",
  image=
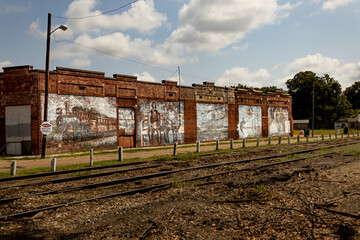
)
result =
(278, 117)
(171, 123)
(154, 123)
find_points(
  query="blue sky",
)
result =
(252, 42)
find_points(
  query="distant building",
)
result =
(301, 124)
(353, 123)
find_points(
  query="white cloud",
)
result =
(142, 16)
(204, 26)
(35, 30)
(5, 64)
(81, 62)
(116, 44)
(145, 76)
(332, 5)
(240, 75)
(13, 8)
(346, 74)
(211, 25)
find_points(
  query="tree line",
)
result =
(330, 102)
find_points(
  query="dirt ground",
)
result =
(314, 199)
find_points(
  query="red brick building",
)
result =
(89, 110)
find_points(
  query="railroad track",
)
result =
(132, 182)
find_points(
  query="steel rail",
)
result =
(153, 187)
(46, 174)
(159, 174)
(69, 179)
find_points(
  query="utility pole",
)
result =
(313, 109)
(46, 97)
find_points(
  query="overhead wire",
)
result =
(116, 56)
(97, 15)
(134, 61)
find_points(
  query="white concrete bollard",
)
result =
(121, 155)
(175, 149)
(91, 157)
(53, 164)
(13, 168)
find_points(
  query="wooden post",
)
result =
(244, 142)
(322, 137)
(175, 149)
(258, 142)
(217, 144)
(13, 168)
(197, 146)
(121, 155)
(330, 136)
(280, 140)
(91, 157)
(231, 143)
(298, 138)
(269, 140)
(289, 139)
(53, 164)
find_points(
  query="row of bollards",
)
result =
(121, 155)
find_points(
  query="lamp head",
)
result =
(62, 27)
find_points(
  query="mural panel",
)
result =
(160, 122)
(212, 121)
(278, 121)
(249, 121)
(127, 120)
(91, 120)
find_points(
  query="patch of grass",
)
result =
(259, 192)
(351, 150)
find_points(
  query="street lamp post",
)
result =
(49, 32)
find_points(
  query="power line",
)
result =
(97, 15)
(134, 61)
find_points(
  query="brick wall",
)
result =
(22, 86)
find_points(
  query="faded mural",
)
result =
(82, 119)
(127, 120)
(249, 121)
(278, 121)
(160, 122)
(212, 121)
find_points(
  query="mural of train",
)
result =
(81, 124)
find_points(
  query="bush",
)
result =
(346, 130)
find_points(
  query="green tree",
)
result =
(330, 103)
(353, 94)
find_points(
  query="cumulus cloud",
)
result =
(346, 74)
(117, 45)
(332, 5)
(240, 75)
(35, 30)
(145, 76)
(142, 16)
(210, 25)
